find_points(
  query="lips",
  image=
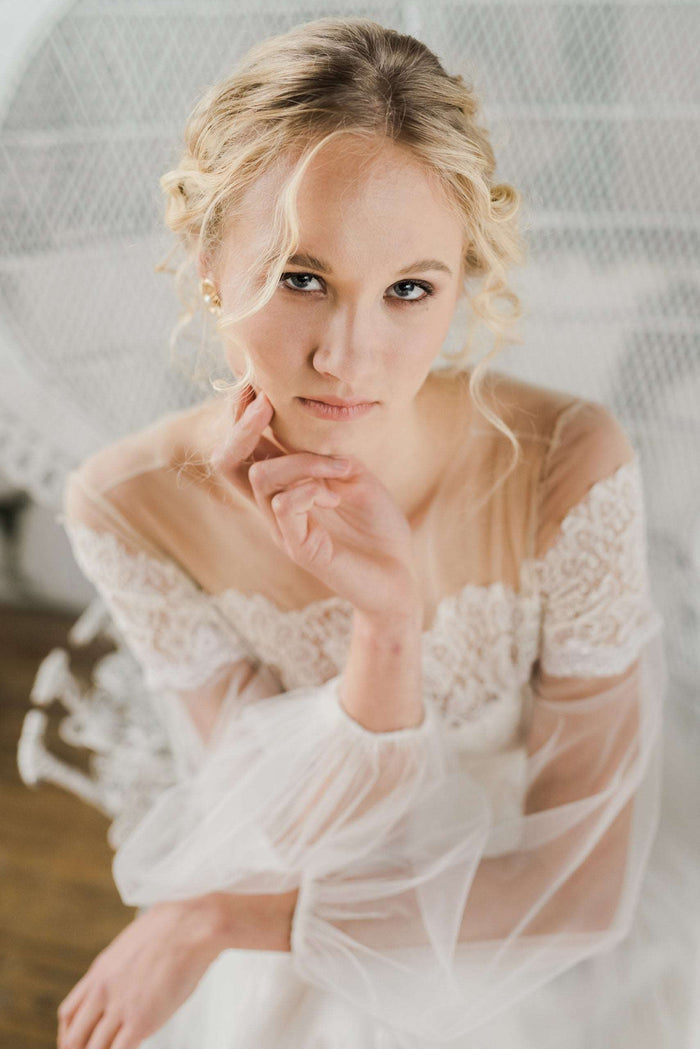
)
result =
(336, 411)
(337, 402)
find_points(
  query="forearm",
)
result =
(504, 888)
(382, 686)
(502, 892)
(382, 690)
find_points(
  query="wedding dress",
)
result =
(481, 879)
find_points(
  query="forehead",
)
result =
(358, 199)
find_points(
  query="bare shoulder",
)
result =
(174, 438)
(148, 473)
(528, 409)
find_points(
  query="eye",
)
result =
(407, 286)
(300, 277)
(412, 285)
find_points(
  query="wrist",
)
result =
(397, 604)
(251, 922)
(382, 685)
(399, 621)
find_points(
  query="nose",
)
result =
(348, 348)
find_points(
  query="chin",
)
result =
(300, 438)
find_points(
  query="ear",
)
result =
(203, 266)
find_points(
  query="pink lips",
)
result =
(337, 401)
(323, 410)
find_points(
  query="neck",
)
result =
(409, 454)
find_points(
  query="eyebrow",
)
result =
(303, 259)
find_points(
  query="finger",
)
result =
(69, 1006)
(268, 476)
(263, 491)
(76, 995)
(125, 1040)
(105, 1032)
(245, 434)
(292, 508)
(83, 1023)
(241, 403)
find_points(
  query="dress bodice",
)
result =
(479, 654)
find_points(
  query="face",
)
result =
(364, 305)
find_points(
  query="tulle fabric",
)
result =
(438, 886)
(419, 903)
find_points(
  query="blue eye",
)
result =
(422, 285)
(304, 278)
(298, 276)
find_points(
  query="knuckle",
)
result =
(323, 463)
(137, 1026)
(100, 984)
(256, 471)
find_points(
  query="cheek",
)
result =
(438, 323)
(274, 344)
(426, 329)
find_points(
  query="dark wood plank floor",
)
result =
(58, 904)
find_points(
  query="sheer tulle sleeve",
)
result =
(194, 663)
(418, 902)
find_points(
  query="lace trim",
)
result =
(597, 614)
(180, 638)
(478, 652)
(597, 610)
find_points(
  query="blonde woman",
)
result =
(398, 618)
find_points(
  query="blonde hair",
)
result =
(293, 93)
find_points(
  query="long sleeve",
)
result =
(193, 659)
(502, 925)
(418, 902)
(195, 665)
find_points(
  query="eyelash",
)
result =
(427, 288)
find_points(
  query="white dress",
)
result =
(482, 879)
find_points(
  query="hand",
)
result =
(343, 527)
(136, 983)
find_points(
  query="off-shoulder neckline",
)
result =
(527, 568)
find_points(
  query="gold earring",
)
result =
(210, 295)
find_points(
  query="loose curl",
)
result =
(295, 92)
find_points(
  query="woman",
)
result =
(407, 650)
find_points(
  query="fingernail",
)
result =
(340, 464)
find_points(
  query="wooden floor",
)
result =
(58, 904)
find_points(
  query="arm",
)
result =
(264, 923)
(391, 847)
(382, 681)
(383, 663)
(382, 687)
(444, 951)
(506, 887)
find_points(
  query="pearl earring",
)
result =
(210, 295)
